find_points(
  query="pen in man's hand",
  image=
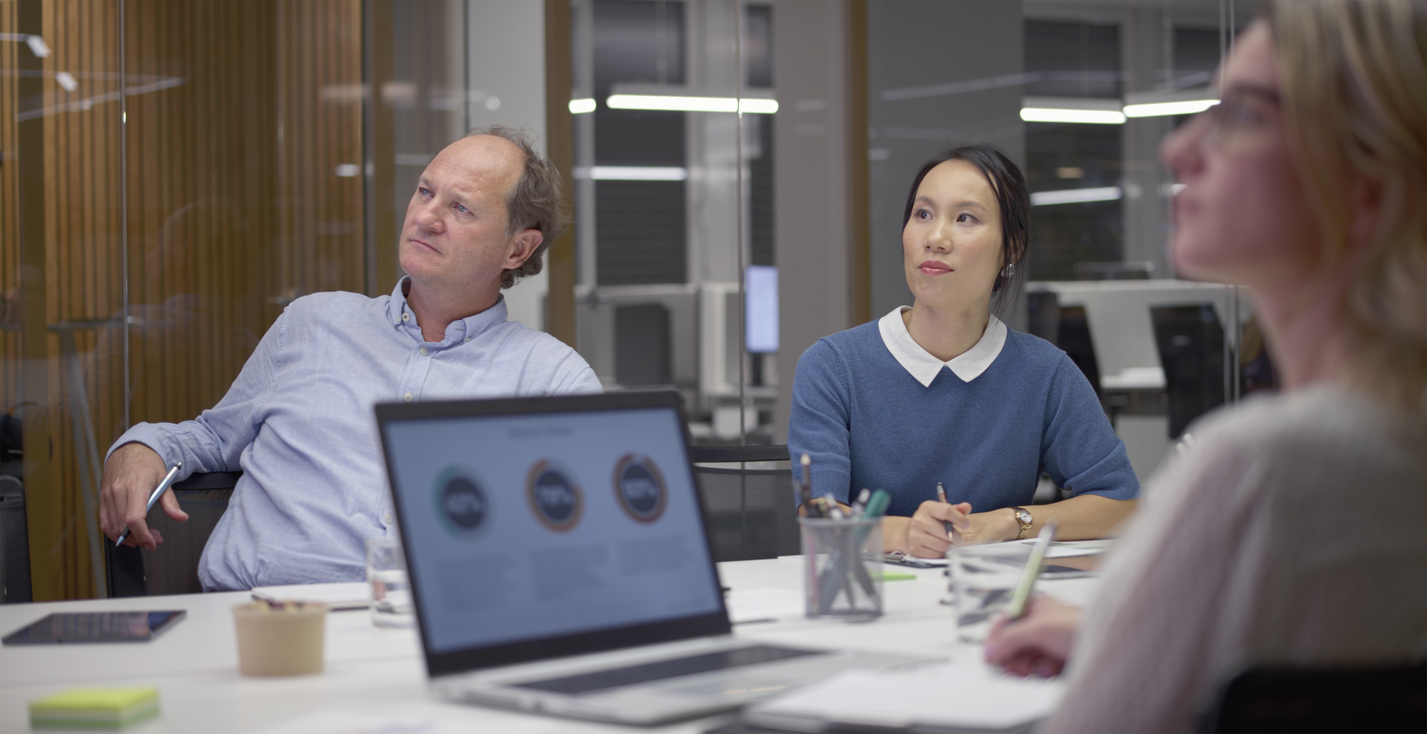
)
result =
(158, 492)
(941, 495)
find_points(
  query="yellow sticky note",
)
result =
(95, 708)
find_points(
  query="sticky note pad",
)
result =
(95, 708)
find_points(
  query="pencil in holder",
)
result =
(842, 574)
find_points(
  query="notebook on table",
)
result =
(559, 561)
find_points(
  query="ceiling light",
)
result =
(1091, 117)
(1074, 110)
(1162, 109)
(673, 103)
(37, 46)
(1075, 196)
(632, 173)
(581, 106)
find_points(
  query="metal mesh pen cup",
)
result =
(842, 567)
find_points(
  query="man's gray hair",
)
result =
(535, 202)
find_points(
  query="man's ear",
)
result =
(522, 246)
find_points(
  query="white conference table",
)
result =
(375, 679)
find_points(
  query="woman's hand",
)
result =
(988, 527)
(1036, 644)
(926, 532)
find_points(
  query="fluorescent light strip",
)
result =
(758, 106)
(1091, 117)
(1163, 109)
(691, 104)
(632, 173)
(1075, 196)
(581, 106)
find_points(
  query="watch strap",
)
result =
(1023, 516)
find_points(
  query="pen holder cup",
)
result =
(842, 567)
(280, 641)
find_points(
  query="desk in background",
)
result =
(378, 674)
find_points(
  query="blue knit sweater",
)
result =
(866, 422)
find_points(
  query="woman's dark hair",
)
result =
(1012, 197)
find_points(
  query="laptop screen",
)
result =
(527, 526)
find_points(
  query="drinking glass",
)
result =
(391, 589)
(983, 578)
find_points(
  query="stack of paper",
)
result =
(343, 595)
(944, 697)
(95, 708)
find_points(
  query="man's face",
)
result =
(454, 242)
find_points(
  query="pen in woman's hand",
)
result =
(950, 530)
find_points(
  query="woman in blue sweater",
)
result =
(944, 392)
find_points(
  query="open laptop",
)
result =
(559, 561)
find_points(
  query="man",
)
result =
(298, 419)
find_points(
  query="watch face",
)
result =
(1023, 515)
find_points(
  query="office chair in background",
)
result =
(750, 512)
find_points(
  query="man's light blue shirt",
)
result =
(299, 422)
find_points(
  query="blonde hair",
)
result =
(1353, 89)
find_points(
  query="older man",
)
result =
(298, 420)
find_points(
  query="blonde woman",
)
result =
(1294, 529)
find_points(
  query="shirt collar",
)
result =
(463, 330)
(923, 366)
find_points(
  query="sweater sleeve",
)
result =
(1079, 448)
(820, 420)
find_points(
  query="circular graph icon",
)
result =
(640, 488)
(555, 498)
(461, 500)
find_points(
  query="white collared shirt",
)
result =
(923, 366)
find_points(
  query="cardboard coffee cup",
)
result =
(277, 640)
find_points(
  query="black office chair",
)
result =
(173, 568)
(1390, 698)
(750, 511)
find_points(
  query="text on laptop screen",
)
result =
(523, 527)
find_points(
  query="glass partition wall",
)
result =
(173, 174)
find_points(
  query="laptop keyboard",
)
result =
(692, 665)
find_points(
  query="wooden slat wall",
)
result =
(9, 213)
(233, 204)
(320, 90)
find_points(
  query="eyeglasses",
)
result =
(1242, 111)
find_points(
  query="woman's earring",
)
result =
(1008, 271)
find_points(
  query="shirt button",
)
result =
(387, 518)
(406, 317)
(423, 351)
(406, 397)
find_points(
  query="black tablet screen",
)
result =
(94, 627)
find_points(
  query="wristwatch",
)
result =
(1023, 516)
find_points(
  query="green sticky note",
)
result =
(896, 576)
(95, 708)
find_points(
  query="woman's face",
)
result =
(1242, 216)
(951, 245)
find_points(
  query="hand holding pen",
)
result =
(132, 473)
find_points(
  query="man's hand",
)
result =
(130, 476)
(1036, 644)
